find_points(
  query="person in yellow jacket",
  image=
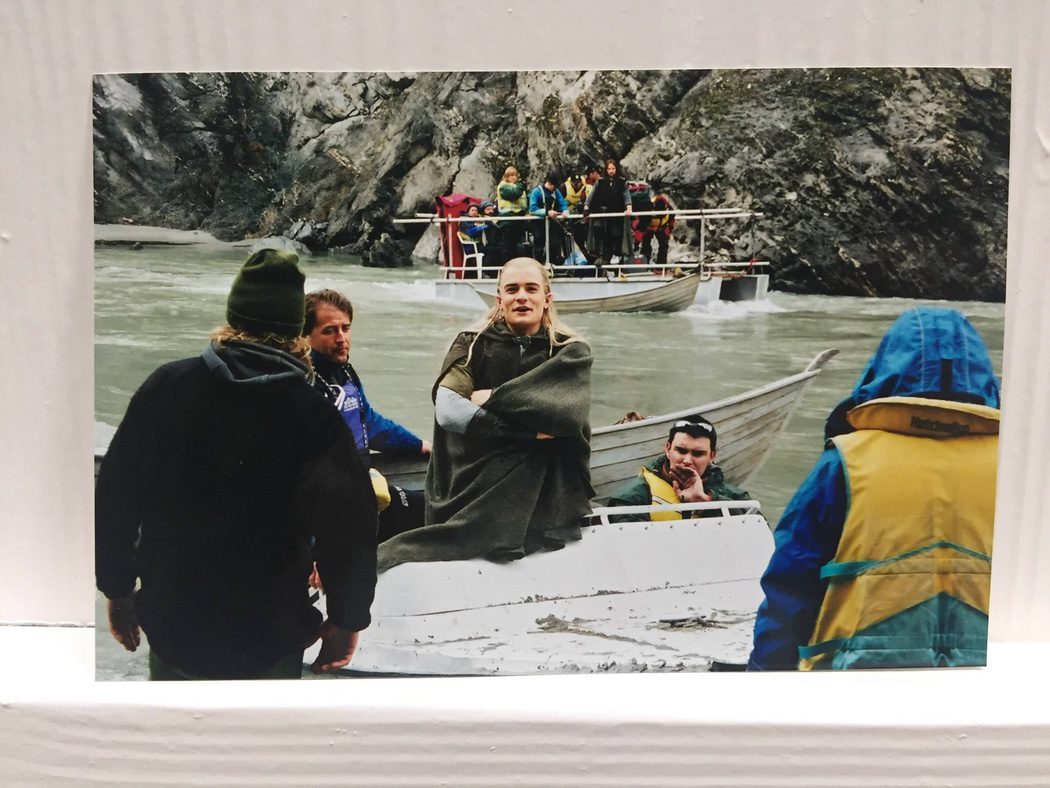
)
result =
(512, 199)
(685, 473)
(577, 190)
(883, 556)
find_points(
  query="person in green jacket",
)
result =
(685, 473)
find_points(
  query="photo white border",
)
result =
(49, 51)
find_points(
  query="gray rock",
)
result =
(387, 253)
(889, 182)
(428, 245)
(280, 242)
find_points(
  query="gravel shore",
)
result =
(145, 235)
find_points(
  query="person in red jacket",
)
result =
(646, 228)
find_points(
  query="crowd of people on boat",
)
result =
(586, 217)
(251, 462)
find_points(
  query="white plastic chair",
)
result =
(471, 256)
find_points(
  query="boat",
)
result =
(633, 596)
(748, 426)
(463, 271)
(595, 295)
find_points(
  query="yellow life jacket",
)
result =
(656, 222)
(380, 488)
(909, 583)
(662, 492)
(517, 206)
(576, 197)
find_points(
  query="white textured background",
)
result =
(666, 732)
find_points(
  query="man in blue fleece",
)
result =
(328, 318)
(883, 556)
(548, 205)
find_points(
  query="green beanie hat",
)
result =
(267, 295)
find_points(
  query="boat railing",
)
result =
(600, 514)
(625, 271)
(703, 215)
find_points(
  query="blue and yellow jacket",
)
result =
(882, 556)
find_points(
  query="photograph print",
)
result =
(502, 373)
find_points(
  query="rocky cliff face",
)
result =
(887, 182)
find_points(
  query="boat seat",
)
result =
(472, 256)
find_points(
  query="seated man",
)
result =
(684, 473)
(472, 238)
(495, 254)
(510, 472)
(328, 318)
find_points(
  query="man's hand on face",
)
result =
(124, 623)
(688, 485)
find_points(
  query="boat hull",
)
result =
(749, 425)
(586, 295)
(582, 296)
(641, 596)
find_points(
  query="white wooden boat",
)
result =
(748, 426)
(607, 293)
(628, 597)
(613, 295)
(464, 268)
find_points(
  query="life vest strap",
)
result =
(849, 569)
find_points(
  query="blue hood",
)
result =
(928, 352)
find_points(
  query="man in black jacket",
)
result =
(224, 470)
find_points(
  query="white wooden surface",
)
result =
(908, 728)
(936, 728)
(599, 604)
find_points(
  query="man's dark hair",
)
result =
(326, 296)
(552, 178)
(696, 427)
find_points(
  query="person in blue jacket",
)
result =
(931, 361)
(328, 318)
(548, 204)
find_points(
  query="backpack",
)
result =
(641, 196)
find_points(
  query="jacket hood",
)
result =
(252, 364)
(928, 352)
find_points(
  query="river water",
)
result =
(159, 303)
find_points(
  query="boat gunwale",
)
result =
(665, 289)
(811, 371)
